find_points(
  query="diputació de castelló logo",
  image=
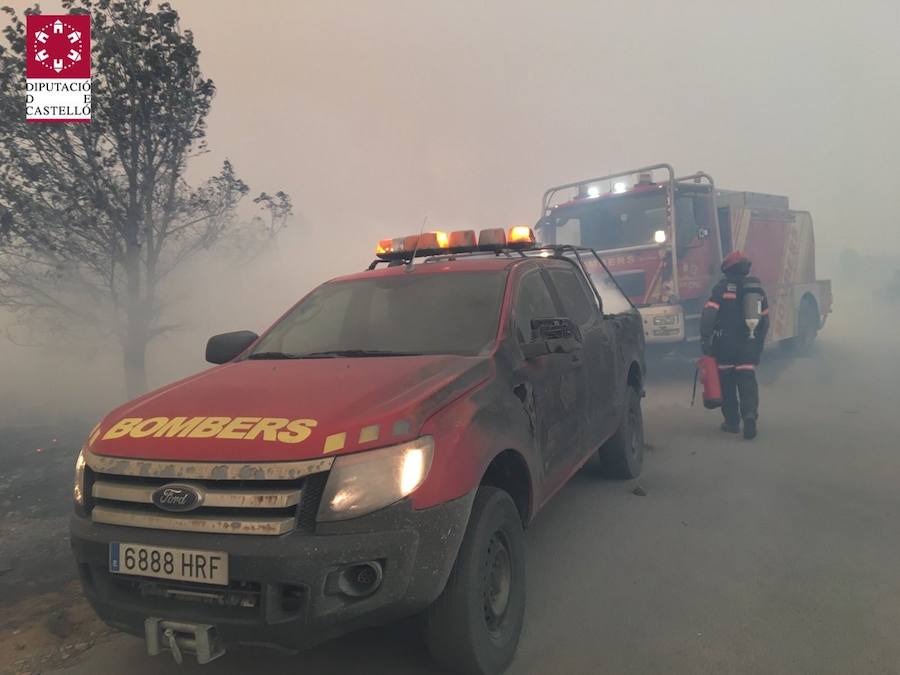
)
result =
(58, 68)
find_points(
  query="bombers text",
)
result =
(278, 429)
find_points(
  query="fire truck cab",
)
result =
(663, 238)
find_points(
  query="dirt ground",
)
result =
(44, 622)
(35, 500)
(47, 630)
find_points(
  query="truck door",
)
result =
(600, 351)
(554, 385)
(697, 244)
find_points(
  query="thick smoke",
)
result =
(463, 112)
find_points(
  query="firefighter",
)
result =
(733, 330)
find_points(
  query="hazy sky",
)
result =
(374, 114)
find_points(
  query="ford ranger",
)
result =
(374, 455)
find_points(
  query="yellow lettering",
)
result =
(122, 427)
(269, 427)
(209, 427)
(178, 426)
(148, 427)
(237, 427)
(297, 431)
(246, 428)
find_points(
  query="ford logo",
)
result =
(177, 497)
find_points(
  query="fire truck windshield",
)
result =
(446, 313)
(621, 221)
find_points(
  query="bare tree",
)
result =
(102, 211)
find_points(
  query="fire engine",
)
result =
(663, 237)
(375, 454)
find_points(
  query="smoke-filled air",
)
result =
(611, 389)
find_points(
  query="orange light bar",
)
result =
(410, 242)
(394, 249)
(384, 247)
(520, 235)
(462, 241)
(433, 242)
(492, 238)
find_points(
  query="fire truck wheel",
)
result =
(474, 626)
(807, 329)
(622, 456)
(807, 325)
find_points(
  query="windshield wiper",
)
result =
(353, 353)
(274, 355)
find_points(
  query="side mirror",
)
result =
(552, 336)
(227, 346)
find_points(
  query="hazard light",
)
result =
(493, 238)
(520, 235)
(463, 241)
(427, 243)
(458, 241)
(392, 249)
(430, 243)
(384, 247)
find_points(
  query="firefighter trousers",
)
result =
(740, 393)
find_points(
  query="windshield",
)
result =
(453, 313)
(614, 301)
(625, 221)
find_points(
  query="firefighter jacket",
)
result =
(722, 324)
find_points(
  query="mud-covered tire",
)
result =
(622, 456)
(474, 626)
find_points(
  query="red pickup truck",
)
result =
(374, 455)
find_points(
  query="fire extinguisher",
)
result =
(708, 374)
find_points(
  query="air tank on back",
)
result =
(752, 310)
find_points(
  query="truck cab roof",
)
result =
(442, 265)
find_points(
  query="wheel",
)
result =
(474, 626)
(807, 329)
(807, 326)
(622, 456)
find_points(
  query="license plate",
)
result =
(179, 564)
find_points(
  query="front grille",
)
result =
(262, 499)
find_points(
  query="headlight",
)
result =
(367, 481)
(78, 489)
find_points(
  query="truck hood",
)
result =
(259, 410)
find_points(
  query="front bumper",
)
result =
(283, 590)
(663, 324)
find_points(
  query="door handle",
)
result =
(576, 359)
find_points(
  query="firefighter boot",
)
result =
(750, 428)
(749, 396)
(730, 405)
